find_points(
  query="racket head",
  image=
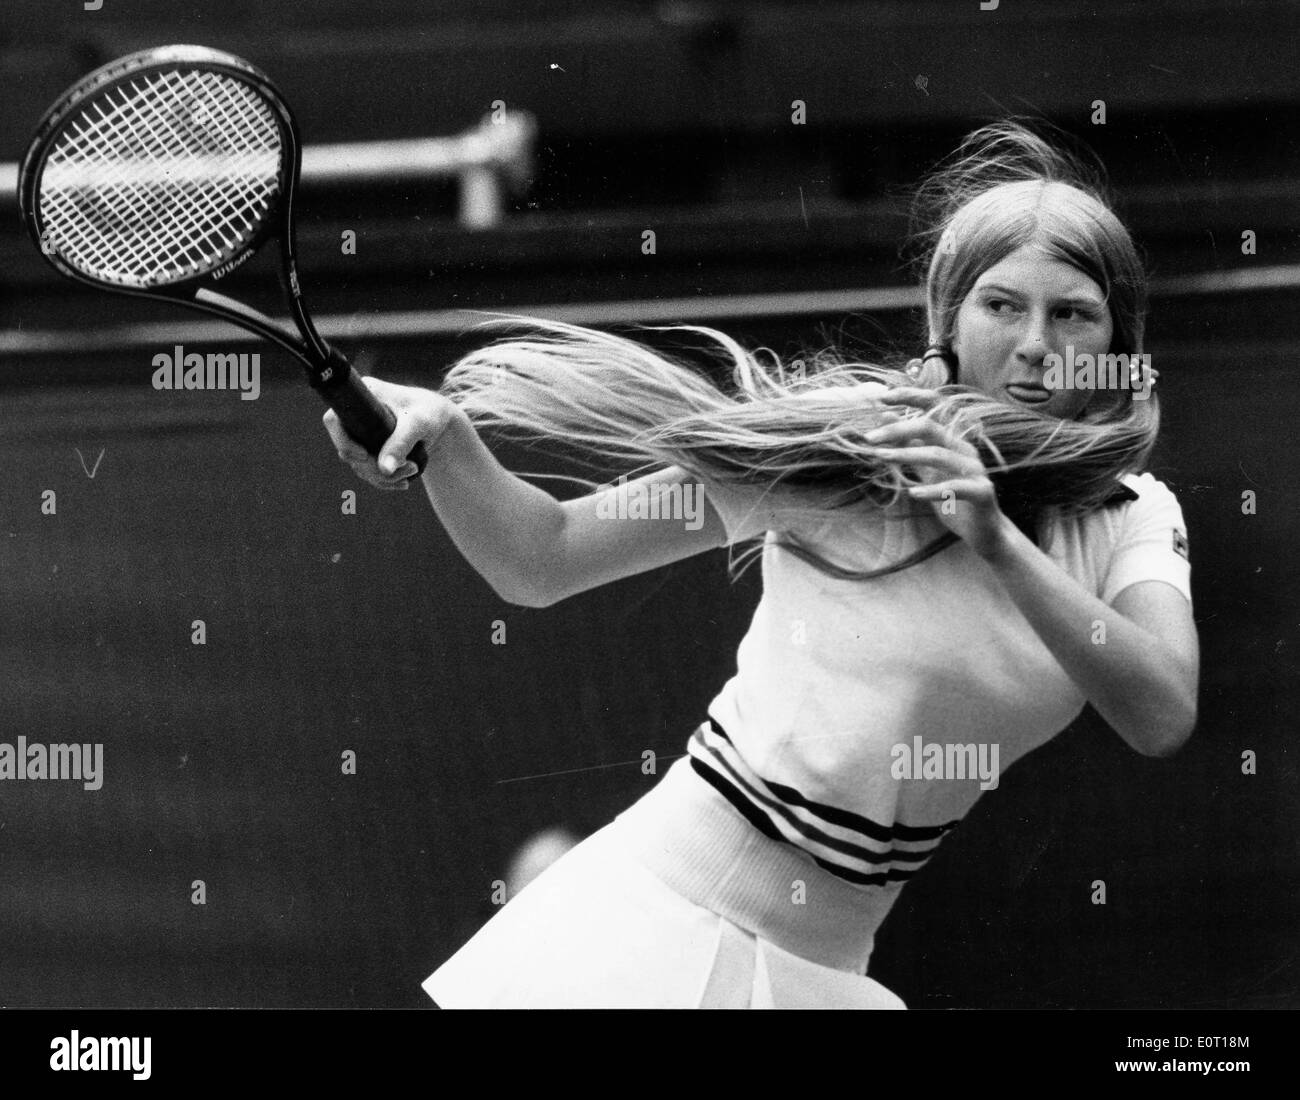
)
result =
(160, 169)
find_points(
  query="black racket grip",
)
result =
(363, 416)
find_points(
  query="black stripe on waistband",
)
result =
(743, 805)
(763, 824)
(845, 819)
(805, 828)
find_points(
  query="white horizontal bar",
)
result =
(411, 324)
(501, 144)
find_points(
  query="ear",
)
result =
(937, 367)
(932, 375)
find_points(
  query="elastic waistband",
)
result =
(690, 837)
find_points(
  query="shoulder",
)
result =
(1139, 501)
(1139, 534)
(1149, 489)
(1142, 538)
(1149, 503)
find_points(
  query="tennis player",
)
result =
(956, 557)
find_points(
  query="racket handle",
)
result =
(363, 416)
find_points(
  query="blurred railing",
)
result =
(490, 162)
(426, 323)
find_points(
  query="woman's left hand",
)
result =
(953, 475)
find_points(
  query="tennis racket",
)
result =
(161, 173)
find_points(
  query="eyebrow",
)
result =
(1068, 300)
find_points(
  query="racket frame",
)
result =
(367, 419)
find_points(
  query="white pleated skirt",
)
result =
(677, 903)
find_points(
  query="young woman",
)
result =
(955, 555)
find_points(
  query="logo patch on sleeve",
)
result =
(1180, 543)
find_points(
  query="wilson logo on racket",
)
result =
(159, 174)
(227, 268)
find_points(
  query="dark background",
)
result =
(329, 632)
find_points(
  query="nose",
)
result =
(1034, 342)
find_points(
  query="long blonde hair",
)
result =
(800, 431)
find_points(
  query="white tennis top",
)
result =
(815, 737)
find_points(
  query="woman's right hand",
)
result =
(422, 416)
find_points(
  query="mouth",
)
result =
(1028, 395)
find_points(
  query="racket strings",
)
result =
(196, 182)
(129, 205)
(128, 200)
(161, 179)
(207, 214)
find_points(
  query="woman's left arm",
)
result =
(1137, 660)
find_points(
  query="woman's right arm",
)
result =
(532, 549)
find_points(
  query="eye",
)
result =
(1077, 313)
(997, 305)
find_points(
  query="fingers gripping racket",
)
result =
(162, 172)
